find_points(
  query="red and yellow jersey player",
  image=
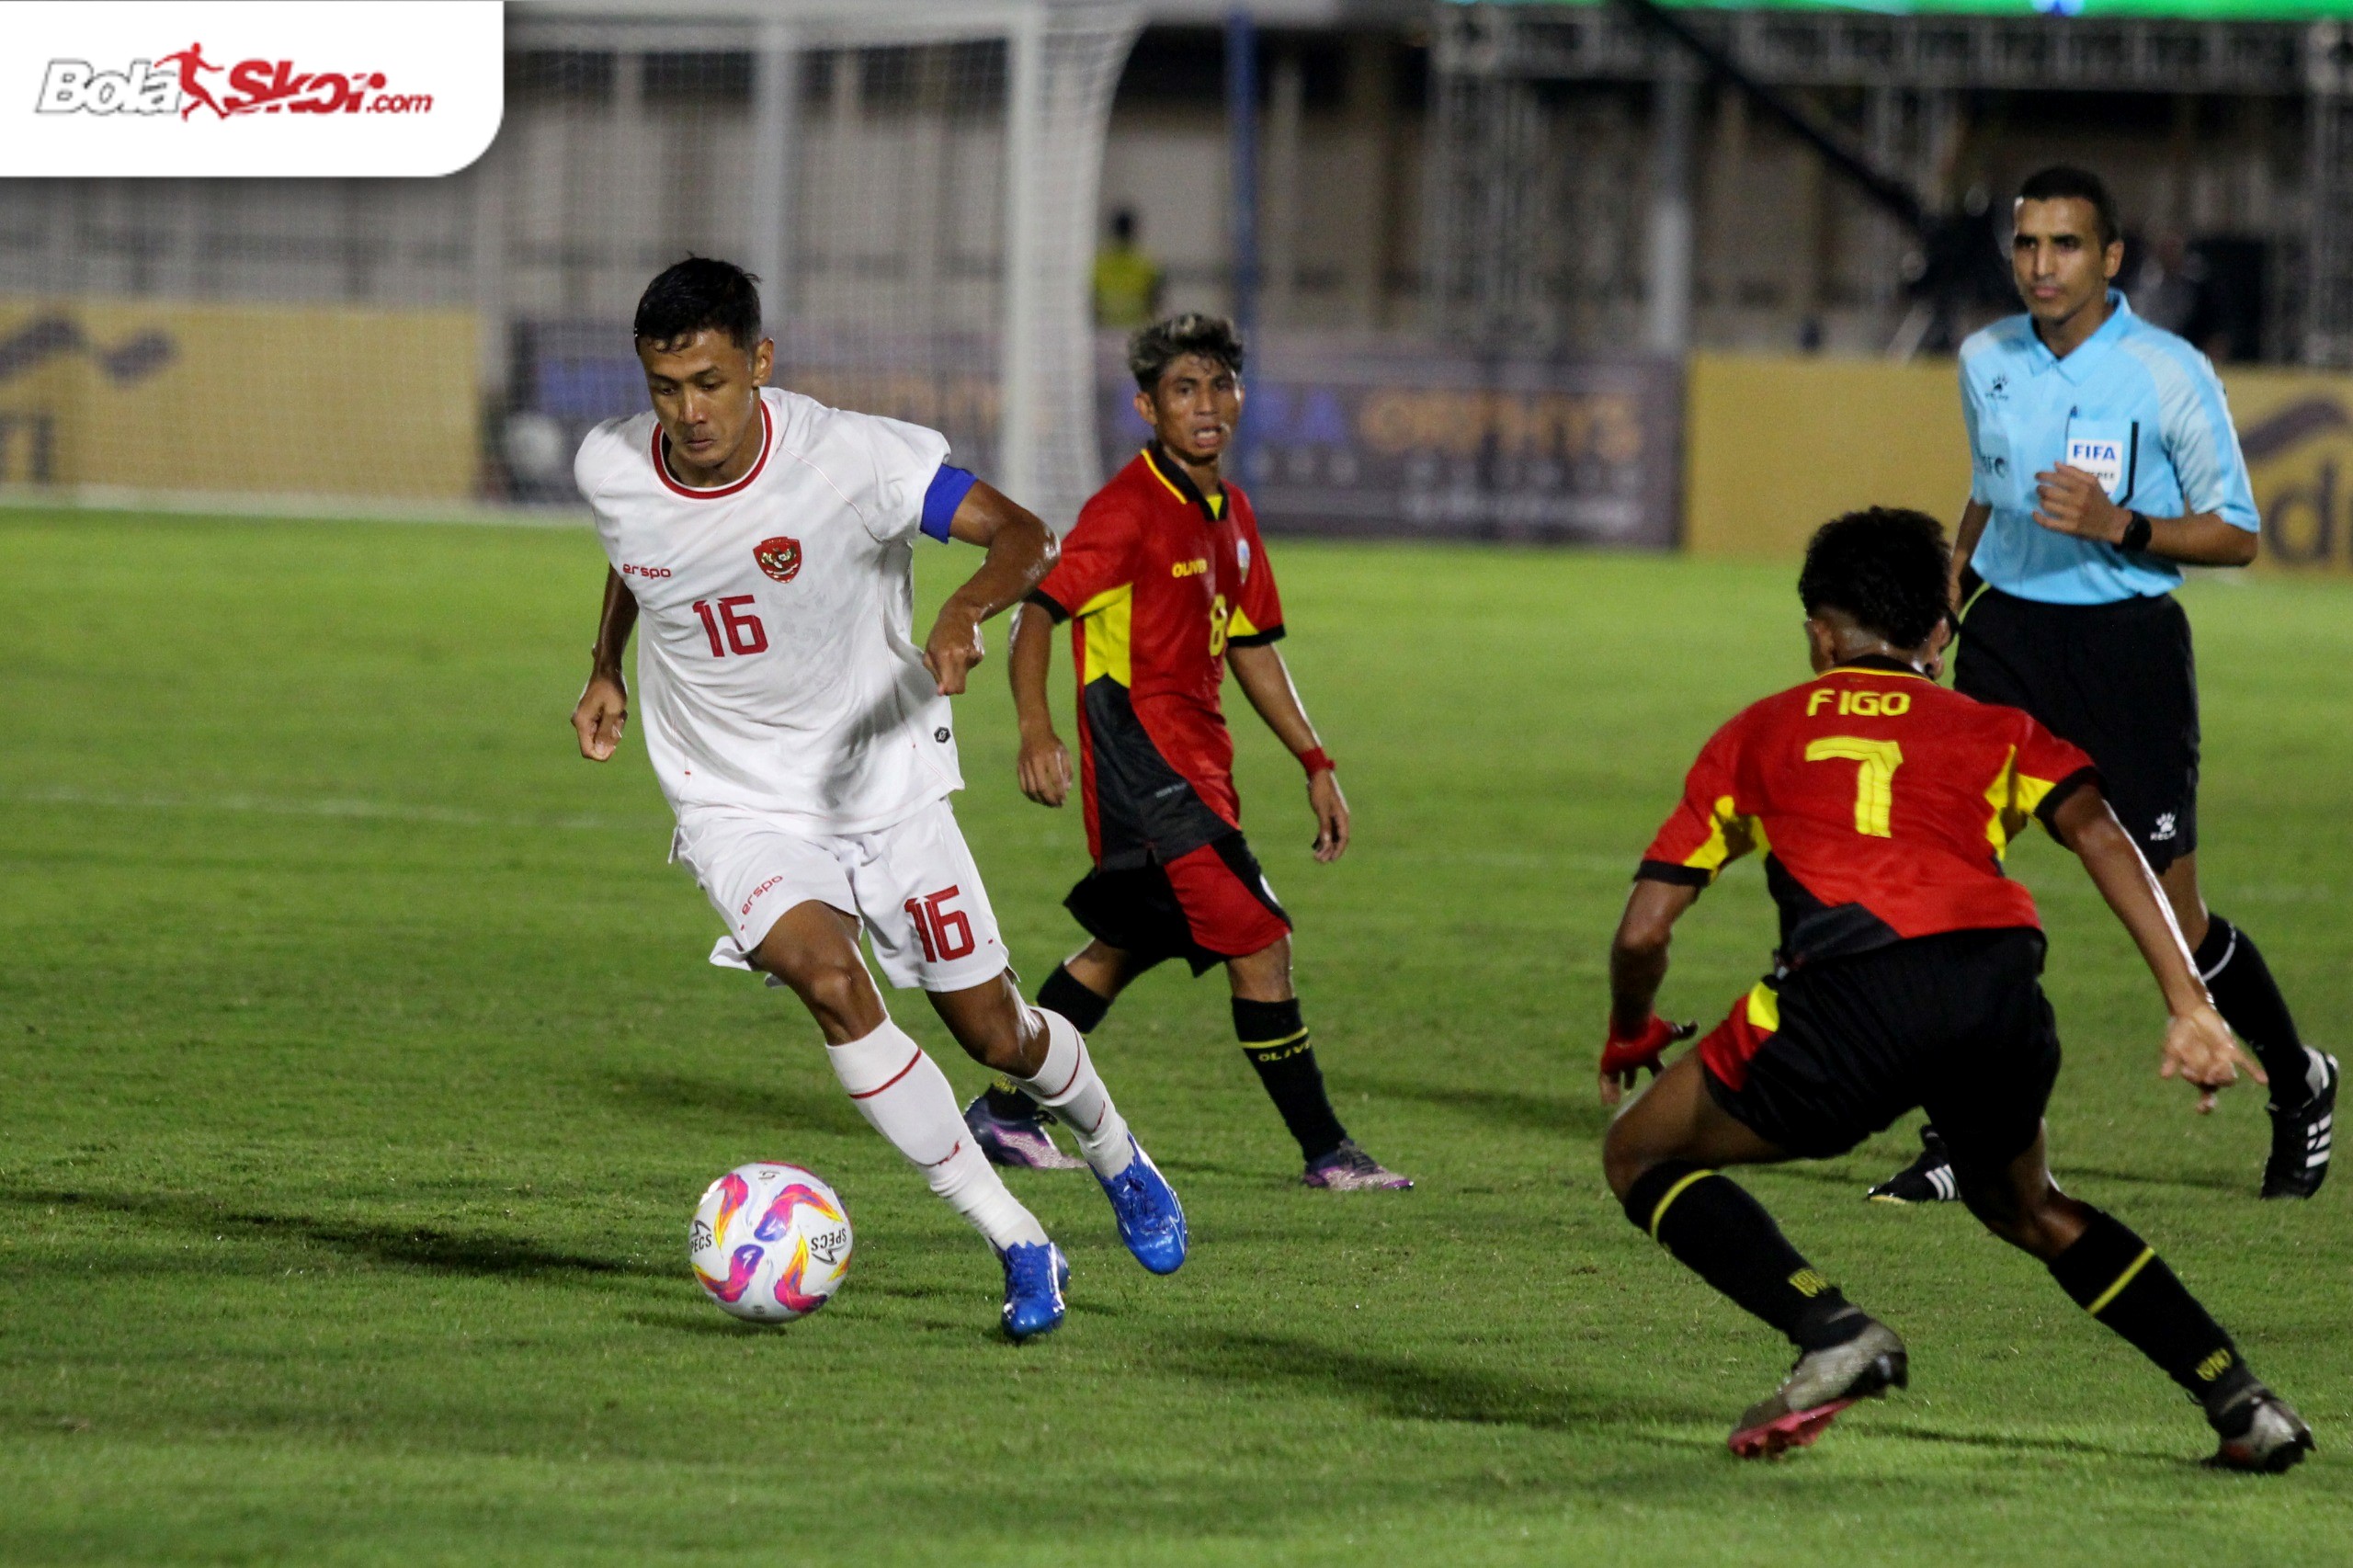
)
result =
(1908, 974)
(1167, 585)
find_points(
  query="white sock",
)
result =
(1067, 1084)
(973, 1189)
(904, 1097)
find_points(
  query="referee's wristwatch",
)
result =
(2137, 531)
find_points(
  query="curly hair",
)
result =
(1160, 344)
(1886, 566)
(700, 292)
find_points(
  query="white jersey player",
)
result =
(802, 737)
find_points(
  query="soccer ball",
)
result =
(770, 1243)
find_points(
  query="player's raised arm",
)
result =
(1021, 550)
(1266, 681)
(2200, 1048)
(603, 709)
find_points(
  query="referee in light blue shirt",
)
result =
(2104, 461)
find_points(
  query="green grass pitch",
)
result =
(359, 1068)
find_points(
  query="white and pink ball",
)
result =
(770, 1243)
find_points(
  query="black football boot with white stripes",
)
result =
(1927, 1179)
(2301, 1137)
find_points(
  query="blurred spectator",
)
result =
(2174, 288)
(1126, 279)
(1960, 277)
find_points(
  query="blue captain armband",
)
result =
(949, 488)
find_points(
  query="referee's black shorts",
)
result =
(1956, 1023)
(2118, 679)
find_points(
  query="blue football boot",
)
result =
(1035, 1273)
(1150, 1220)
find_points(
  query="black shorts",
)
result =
(1956, 1023)
(1205, 906)
(2118, 679)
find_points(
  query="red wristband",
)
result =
(1316, 761)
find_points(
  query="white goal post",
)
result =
(914, 181)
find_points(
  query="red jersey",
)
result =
(1157, 581)
(1884, 801)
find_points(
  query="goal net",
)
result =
(914, 181)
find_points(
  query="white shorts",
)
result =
(913, 885)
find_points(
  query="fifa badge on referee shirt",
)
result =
(2102, 457)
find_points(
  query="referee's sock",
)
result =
(1717, 1230)
(2249, 1001)
(1062, 994)
(1276, 1042)
(2120, 1279)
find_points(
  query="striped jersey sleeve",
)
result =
(2039, 774)
(1097, 559)
(1707, 829)
(2195, 427)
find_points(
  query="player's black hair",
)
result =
(696, 294)
(1160, 344)
(2061, 180)
(1123, 225)
(1885, 567)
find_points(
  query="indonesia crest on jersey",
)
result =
(777, 668)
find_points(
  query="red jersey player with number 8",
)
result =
(1907, 975)
(1167, 585)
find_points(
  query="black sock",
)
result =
(1725, 1236)
(1007, 1103)
(1062, 994)
(1276, 1042)
(2120, 1279)
(2249, 1001)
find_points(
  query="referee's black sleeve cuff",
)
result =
(1257, 639)
(1668, 872)
(2046, 810)
(1047, 602)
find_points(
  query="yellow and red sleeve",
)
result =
(1098, 559)
(2039, 773)
(1708, 830)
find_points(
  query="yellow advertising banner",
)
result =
(253, 399)
(1775, 445)
(2296, 428)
